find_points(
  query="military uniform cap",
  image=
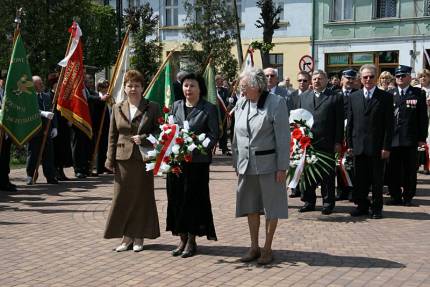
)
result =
(402, 69)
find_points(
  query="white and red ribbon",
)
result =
(167, 147)
(343, 172)
(298, 172)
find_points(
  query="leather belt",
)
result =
(264, 152)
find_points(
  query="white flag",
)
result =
(121, 67)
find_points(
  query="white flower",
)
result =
(152, 153)
(164, 167)
(150, 166)
(191, 147)
(175, 149)
(302, 115)
(206, 142)
(171, 120)
(168, 131)
(201, 137)
(186, 125)
(189, 139)
(152, 139)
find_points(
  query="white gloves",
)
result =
(47, 115)
(54, 133)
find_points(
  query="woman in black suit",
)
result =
(189, 211)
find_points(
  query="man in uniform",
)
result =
(328, 131)
(223, 95)
(410, 132)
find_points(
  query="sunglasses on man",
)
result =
(401, 76)
(302, 81)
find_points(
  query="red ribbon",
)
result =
(163, 151)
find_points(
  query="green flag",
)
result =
(160, 91)
(209, 77)
(20, 115)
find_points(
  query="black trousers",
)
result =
(102, 148)
(33, 150)
(224, 136)
(369, 173)
(327, 190)
(403, 173)
(81, 151)
(4, 162)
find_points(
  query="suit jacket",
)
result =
(202, 119)
(122, 128)
(370, 124)
(328, 113)
(345, 100)
(293, 100)
(410, 117)
(45, 104)
(177, 91)
(266, 130)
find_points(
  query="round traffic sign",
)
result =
(306, 64)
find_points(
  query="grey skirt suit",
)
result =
(261, 147)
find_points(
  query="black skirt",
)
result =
(189, 207)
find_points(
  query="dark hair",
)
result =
(200, 81)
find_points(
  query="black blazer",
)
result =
(202, 119)
(370, 124)
(327, 110)
(45, 104)
(410, 117)
(293, 100)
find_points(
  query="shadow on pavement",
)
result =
(287, 257)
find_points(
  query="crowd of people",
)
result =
(379, 120)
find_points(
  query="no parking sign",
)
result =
(306, 64)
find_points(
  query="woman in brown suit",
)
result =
(133, 215)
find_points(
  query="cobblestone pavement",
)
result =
(52, 236)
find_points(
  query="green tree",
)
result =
(146, 47)
(210, 24)
(44, 31)
(269, 21)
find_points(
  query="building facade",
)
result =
(292, 40)
(350, 33)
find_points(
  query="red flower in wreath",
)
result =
(166, 159)
(176, 170)
(165, 137)
(297, 133)
(305, 142)
(188, 158)
(166, 110)
(179, 141)
(160, 120)
(291, 145)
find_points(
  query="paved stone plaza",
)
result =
(53, 236)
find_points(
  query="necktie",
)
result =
(402, 93)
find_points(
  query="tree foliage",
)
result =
(147, 50)
(269, 21)
(211, 25)
(44, 30)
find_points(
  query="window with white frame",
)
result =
(171, 7)
(230, 7)
(385, 8)
(342, 10)
(133, 3)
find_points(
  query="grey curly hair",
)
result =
(255, 78)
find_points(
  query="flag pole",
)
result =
(158, 72)
(48, 124)
(19, 14)
(110, 99)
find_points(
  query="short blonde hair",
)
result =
(424, 72)
(385, 75)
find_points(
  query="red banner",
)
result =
(72, 102)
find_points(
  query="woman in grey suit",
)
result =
(261, 157)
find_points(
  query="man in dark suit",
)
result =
(347, 88)
(327, 110)
(410, 132)
(223, 95)
(303, 80)
(369, 134)
(177, 87)
(33, 148)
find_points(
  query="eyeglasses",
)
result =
(302, 81)
(368, 77)
(401, 76)
(270, 76)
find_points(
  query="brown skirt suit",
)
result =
(133, 212)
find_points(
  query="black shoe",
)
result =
(9, 187)
(359, 212)
(189, 251)
(307, 208)
(327, 210)
(61, 176)
(342, 197)
(376, 215)
(29, 180)
(80, 175)
(394, 202)
(407, 202)
(293, 195)
(52, 181)
(177, 251)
